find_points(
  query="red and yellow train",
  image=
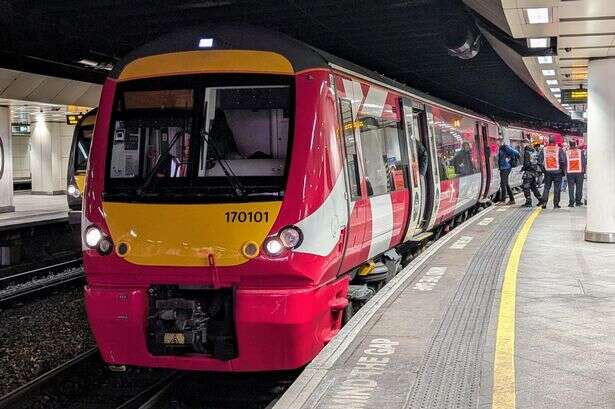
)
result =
(240, 182)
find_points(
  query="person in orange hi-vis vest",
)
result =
(552, 160)
(576, 162)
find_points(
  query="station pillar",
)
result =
(50, 146)
(601, 152)
(6, 162)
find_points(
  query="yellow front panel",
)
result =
(80, 181)
(186, 234)
(212, 61)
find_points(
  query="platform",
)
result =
(35, 209)
(429, 339)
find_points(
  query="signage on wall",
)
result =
(72, 119)
(574, 96)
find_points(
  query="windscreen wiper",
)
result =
(150, 175)
(234, 182)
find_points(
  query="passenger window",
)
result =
(352, 161)
(456, 144)
(384, 164)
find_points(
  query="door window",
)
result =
(382, 148)
(352, 160)
(456, 144)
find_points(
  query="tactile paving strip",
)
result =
(449, 376)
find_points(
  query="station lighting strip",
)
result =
(541, 15)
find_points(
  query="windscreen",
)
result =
(205, 137)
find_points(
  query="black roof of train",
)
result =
(302, 56)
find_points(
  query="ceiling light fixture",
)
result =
(538, 42)
(548, 73)
(547, 59)
(538, 15)
(555, 89)
(552, 82)
(87, 62)
(206, 42)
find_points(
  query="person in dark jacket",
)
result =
(463, 160)
(554, 168)
(506, 154)
(531, 172)
(422, 156)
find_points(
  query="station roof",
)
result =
(400, 39)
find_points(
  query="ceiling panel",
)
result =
(586, 41)
(22, 86)
(587, 27)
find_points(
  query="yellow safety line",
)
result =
(504, 362)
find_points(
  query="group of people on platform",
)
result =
(553, 163)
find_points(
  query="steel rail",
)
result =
(9, 295)
(27, 275)
(13, 397)
(151, 395)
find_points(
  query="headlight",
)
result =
(73, 191)
(96, 239)
(291, 237)
(93, 235)
(274, 246)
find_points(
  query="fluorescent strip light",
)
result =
(539, 42)
(545, 60)
(206, 42)
(87, 62)
(555, 89)
(548, 73)
(557, 95)
(538, 15)
(552, 82)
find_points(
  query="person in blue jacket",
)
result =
(507, 159)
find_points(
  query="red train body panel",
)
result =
(369, 166)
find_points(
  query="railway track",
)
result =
(12, 398)
(27, 283)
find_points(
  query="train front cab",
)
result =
(195, 264)
(77, 165)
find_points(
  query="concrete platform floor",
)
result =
(565, 323)
(35, 209)
(431, 337)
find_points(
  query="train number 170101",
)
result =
(247, 217)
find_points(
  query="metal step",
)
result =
(422, 236)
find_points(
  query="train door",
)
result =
(358, 205)
(485, 148)
(417, 181)
(425, 131)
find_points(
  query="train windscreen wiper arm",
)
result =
(234, 182)
(150, 175)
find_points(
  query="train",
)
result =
(246, 191)
(77, 164)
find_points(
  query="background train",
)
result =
(77, 164)
(243, 186)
